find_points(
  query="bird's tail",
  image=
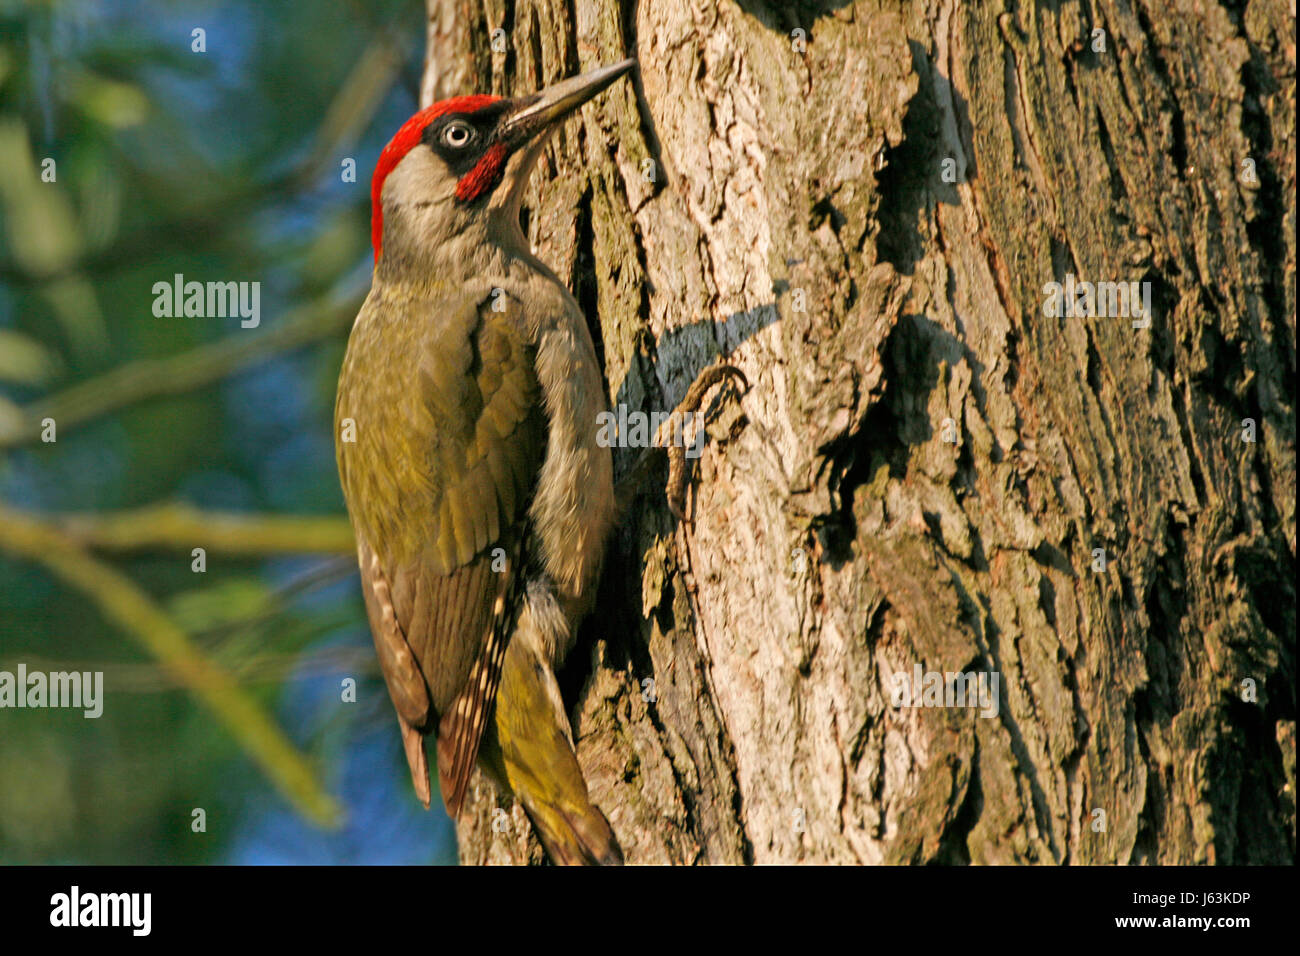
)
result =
(574, 835)
(528, 749)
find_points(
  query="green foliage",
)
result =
(129, 158)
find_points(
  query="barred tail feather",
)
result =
(460, 729)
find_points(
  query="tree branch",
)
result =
(131, 609)
(181, 526)
(177, 374)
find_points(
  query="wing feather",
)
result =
(439, 478)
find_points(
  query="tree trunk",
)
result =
(863, 207)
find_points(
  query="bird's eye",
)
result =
(457, 135)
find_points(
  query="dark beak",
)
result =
(541, 111)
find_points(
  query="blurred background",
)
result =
(224, 142)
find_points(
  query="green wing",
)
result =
(438, 482)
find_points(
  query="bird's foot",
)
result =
(671, 438)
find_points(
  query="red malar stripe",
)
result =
(485, 174)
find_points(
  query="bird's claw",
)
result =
(678, 474)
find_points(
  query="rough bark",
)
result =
(788, 207)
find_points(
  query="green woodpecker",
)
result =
(467, 449)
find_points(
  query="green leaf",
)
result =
(25, 361)
(111, 102)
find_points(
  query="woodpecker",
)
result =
(466, 441)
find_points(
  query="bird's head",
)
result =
(465, 161)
